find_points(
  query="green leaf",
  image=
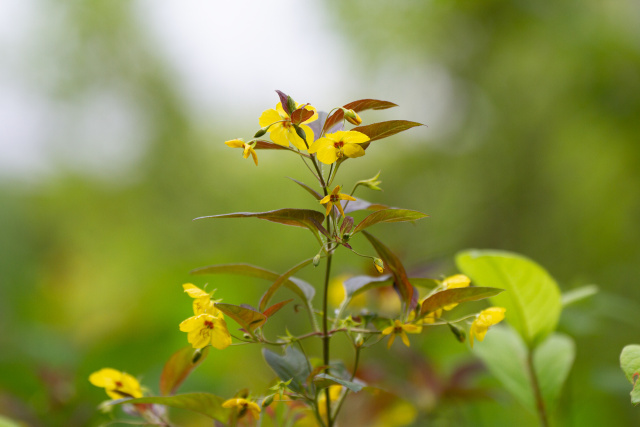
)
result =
(301, 115)
(505, 355)
(408, 294)
(326, 380)
(630, 364)
(357, 284)
(284, 102)
(310, 190)
(456, 296)
(266, 297)
(275, 308)
(532, 299)
(178, 368)
(389, 215)
(357, 106)
(376, 131)
(206, 404)
(293, 217)
(578, 294)
(361, 205)
(290, 366)
(301, 288)
(247, 318)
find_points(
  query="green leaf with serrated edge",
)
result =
(376, 131)
(178, 368)
(630, 364)
(280, 281)
(407, 292)
(248, 319)
(293, 217)
(446, 297)
(301, 288)
(505, 354)
(361, 205)
(325, 380)
(578, 294)
(310, 190)
(206, 404)
(275, 308)
(357, 106)
(290, 366)
(389, 215)
(532, 299)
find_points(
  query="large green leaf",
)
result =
(389, 215)
(446, 297)
(532, 299)
(407, 293)
(301, 288)
(179, 366)
(376, 131)
(506, 355)
(293, 365)
(202, 403)
(357, 106)
(266, 297)
(247, 318)
(630, 364)
(294, 217)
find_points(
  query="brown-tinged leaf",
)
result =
(310, 190)
(376, 131)
(178, 368)
(268, 145)
(245, 317)
(407, 292)
(284, 102)
(456, 296)
(321, 228)
(206, 404)
(357, 106)
(361, 205)
(301, 115)
(389, 215)
(280, 281)
(275, 308)
(301, 288)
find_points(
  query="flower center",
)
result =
(397, 329)
(334, 198)
(208, 324)
(119, 384)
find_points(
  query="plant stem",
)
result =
(353, 375)
(326, 337)
(542, 412)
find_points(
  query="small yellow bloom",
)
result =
(484, 320)
(243, 406)
(334, 199)
(202, 301)
(248, 148)
(401, 329)
(334, 146)
(117, 384)
(282, 130)
(352, 117)
(453, 282)
(205, 329)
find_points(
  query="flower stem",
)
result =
(540, 406)
(325, 336)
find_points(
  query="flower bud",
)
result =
(316, 260)
(267, 401)
(359, 340)
(352, 117)
(377, 262)
(300, 132)
(458, 332)
(260, 132)
(196, 356)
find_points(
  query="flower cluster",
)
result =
(207, 325)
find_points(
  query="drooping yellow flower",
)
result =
(334, 199)
(243, 407)
(248, 148)
(205, 329)
(398, 328)
(202, 301)
(484, 320)
(117, 384)
(334, 146)
(282, 130)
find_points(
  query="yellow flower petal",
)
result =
(405, 338)
(268, 117)
(104, 377)
(191, 324)
(346, 197)
(254, 155)
(279, 135)
(353, 150)
(235, 143)
(294, 139)
(391, 338)
(193, 291)
(320, 144)
(354, 137)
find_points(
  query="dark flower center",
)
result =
(208, 324)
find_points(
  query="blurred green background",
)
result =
(112, 118)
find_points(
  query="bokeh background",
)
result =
(112, 118)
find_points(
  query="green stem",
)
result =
(353, 375)
(326, 337)
(540, 406)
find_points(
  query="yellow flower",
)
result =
(453, 282)
(334, 199)
(243, 406)
(484, 319)
(248, 148)
(401, 329)
(202, 301)
(204, 329)
(117, 384)
(334, 146)
(282, 130)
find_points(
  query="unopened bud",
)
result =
(352, 117)
(196, 356)
(300, 132)
(291, 104)
(267, 401)
(316, 260)
(247, 336)
(260, 132)
(359, 340)
(377, 262)
(458, 332)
